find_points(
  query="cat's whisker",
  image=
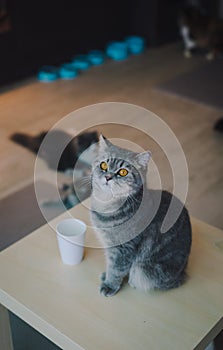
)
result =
(83, 188)
(84, 179)
(84, 182)
(133, 201)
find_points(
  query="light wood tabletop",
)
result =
(63, 302)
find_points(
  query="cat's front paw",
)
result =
(108, 291)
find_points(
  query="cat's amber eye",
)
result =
(104, 166)
(123, 172)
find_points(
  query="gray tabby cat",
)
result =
(127, 218)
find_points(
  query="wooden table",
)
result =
(63, 302)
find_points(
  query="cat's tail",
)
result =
(31, 142)
(139, 279)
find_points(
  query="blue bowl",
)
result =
(136, 44)
(67, 71)
(96, 57)
(81, 62)
(117, 50)
(48, 74)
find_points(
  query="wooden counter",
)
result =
(63, 302)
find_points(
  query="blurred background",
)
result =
(33, 33)
(184, 92)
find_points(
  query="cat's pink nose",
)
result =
(108, 177)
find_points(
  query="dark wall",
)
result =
(73, 25)
(156, 20)
(50, 32)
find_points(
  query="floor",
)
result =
(30, 106)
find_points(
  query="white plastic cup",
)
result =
(70, 238)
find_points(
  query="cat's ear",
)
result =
(103, 143)
(143, 158)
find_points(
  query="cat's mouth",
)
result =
(109, 193)
(108, 199)
(103, 192)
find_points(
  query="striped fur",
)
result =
(127, 218)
